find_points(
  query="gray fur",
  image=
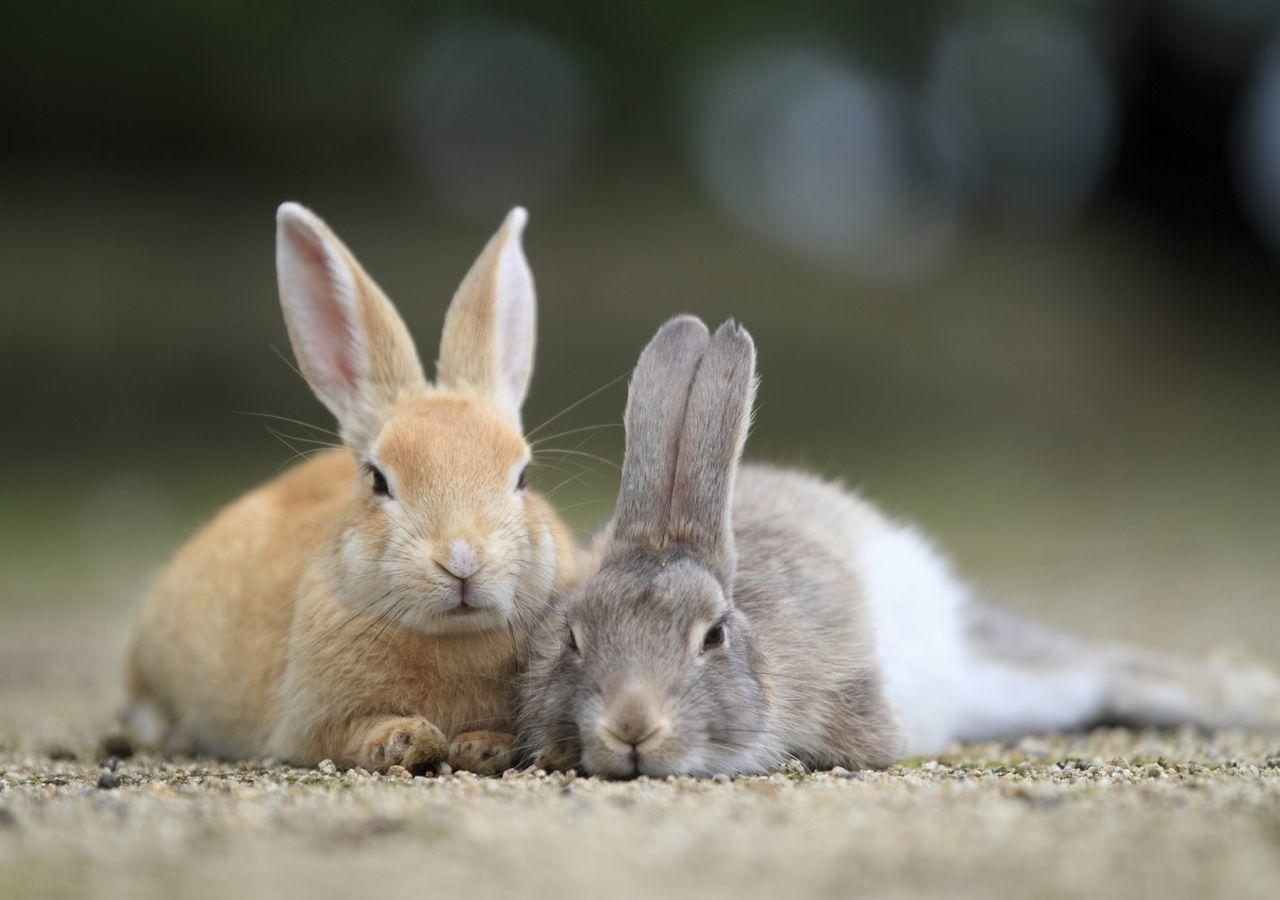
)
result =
(795, 675)
(715, 430)
(656, 403)
(1135, 686)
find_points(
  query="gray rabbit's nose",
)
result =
(632, 735)
(631, 722)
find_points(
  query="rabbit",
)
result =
(362, 606)
(732, 619)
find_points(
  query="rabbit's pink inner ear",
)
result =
(321, 302)
(488, 341)
(516, 304)
(332, 339)
(351, 344)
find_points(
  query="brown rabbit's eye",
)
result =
(380, 487)
(523, 481)
(714, 637)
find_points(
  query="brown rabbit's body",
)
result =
(363, 606)
(216, 635)
(212, 635)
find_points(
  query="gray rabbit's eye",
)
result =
(714, 637)
(573, 640)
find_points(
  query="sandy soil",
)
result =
(1113, 813)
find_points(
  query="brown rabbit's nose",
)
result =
(461, 559)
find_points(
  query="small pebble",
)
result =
(327, 767)
(722, 779)
(110, 764)
(398, 772)
(444, 769)
(107, 781)
(841, 772)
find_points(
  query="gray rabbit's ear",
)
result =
(716, 421)
(655, 412)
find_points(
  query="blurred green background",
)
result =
(1012, 267)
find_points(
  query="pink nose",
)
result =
(462, 561)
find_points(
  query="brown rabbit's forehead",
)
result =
(449, 441)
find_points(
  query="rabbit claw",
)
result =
(412, 742)
(482, 752)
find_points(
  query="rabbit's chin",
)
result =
(448, 612)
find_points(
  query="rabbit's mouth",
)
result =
(478, 608)
(626, 766)
(464, 609)
(612, 758)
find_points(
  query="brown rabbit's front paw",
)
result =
(482, 752)
(411, 742)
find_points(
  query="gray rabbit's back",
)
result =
(736, 616)
(798, 584)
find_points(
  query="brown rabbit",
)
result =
(361, 606)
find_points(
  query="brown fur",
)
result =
(266, 634)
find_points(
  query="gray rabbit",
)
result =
(735, 618)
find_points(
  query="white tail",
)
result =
(959, 670)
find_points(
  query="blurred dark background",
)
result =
(1012, 267)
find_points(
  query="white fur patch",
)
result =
(915, 604)
(941, 688)
(1000, 700)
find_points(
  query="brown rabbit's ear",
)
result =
(487, 346)
(655, 411)
(714, 432)
(351, 344)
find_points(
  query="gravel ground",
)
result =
(1113, 813)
